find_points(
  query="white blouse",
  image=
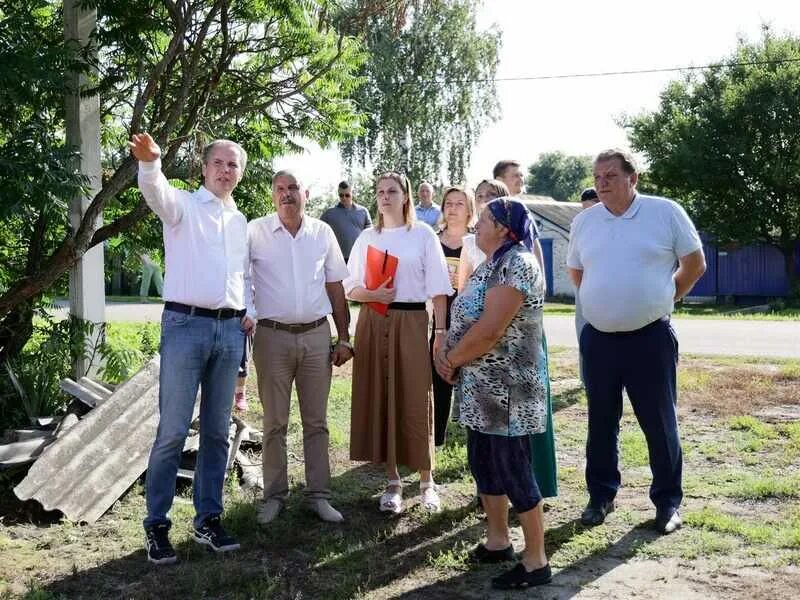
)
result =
(421, 268)
(474, 254)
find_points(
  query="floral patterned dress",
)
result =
(504, 391)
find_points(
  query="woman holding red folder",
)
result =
(395, 267)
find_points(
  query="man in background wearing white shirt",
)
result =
(297, 270)
(202, 334)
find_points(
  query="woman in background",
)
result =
(458, 215)
(471, 255)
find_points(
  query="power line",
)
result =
(609, 73)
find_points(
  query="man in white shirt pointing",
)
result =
(297, 270)
(202, 335)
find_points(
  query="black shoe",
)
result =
(518, 578)
(595, 513)
(213, 535)
(156, 544)
(481, 554)
(668, 520)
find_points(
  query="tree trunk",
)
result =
(15, 330)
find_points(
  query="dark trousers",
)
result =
(644, 363)
(442, 393)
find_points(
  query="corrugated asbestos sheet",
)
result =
(84, 472)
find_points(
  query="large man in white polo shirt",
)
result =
(622, 257)
(297, 270)
(202, 334)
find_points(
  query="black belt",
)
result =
(407, 306)
(214, 313)
(292, 327)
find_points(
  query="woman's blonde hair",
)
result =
(499, 188)
(469, 195)
(409, 213)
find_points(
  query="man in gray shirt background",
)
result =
(347, 219)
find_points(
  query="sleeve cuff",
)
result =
(150, 167)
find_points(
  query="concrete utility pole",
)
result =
(87, 299)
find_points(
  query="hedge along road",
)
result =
(737, 337)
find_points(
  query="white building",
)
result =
(554, 220)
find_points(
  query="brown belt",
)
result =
(292, 327)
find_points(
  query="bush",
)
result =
(29, 384)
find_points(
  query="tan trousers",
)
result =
(281, 358)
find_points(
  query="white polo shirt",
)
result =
(287, 275)
(628, 261)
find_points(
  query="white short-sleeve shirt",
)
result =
(628, 261)
(421, 267)
(288, 274)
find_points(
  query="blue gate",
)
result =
(547, 254)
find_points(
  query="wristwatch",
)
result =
(346, 344)
(439, 330)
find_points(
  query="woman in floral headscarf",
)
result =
(491, 353)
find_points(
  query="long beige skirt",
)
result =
(391, 419)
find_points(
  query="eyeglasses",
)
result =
(344, 195)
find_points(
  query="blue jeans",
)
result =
(195, 352)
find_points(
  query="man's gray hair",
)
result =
(287, 173)
(210, 148)
(625, 158)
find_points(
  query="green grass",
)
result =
(784, 533)
(691, 379)
(742, 504)
(633, 446)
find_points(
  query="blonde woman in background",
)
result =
(471, 255)
(458, 216)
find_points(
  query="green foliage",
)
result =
(29, 384)
(559, 175)
(34, 376)
(126, 347)
(428, 89)
(261, 72)
(726, 142)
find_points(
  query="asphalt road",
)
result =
(696, 336)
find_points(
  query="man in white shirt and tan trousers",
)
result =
(296, 268)
(202, 334)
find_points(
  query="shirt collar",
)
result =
(628, 214)
(207, 196)
(275, 224)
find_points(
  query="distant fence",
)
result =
(754, 270)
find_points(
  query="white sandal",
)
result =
(392, 502)
(430, 497)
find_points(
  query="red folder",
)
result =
(380, 266)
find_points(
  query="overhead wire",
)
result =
(607, 73)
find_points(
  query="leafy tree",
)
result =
(559, 175)
(259, 71)
(727, 143)
(428, 88)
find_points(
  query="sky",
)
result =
(579, 115)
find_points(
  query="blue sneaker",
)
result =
(213, 535)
